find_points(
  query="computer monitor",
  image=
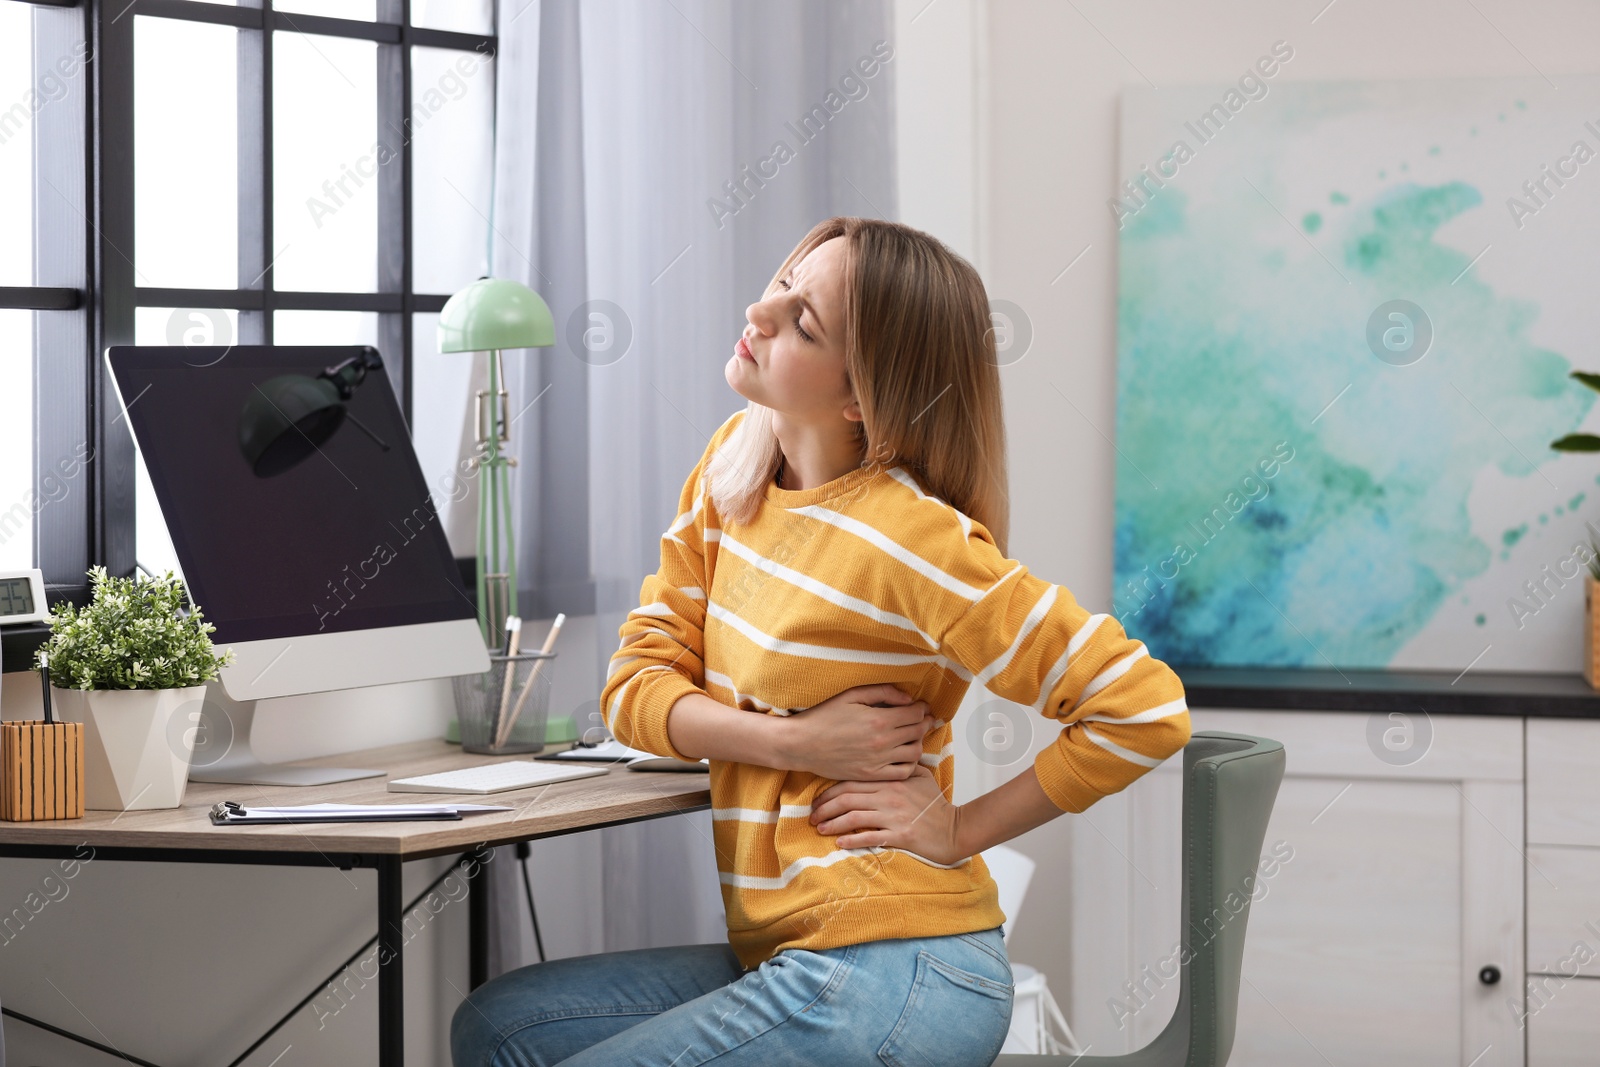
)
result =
(303, 527)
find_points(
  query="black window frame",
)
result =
(75, 403)
(62, 298)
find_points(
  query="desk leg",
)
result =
(391, 983)
(478, 927)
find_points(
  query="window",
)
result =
(46, 483)
(299, 172)
(290, 172)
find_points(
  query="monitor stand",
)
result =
(223, 753)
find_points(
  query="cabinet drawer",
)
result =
(1564, 911)
(1563, 782)
(1563, 1021)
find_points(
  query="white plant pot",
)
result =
(136, 743)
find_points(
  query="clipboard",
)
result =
(229, 813)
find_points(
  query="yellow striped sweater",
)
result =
(868, 579)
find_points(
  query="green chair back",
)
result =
(1230, 782)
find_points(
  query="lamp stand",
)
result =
(497, 550)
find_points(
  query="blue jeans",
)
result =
(926, 1001)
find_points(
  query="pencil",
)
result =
(513, 640)
(527, 687)
(44, 679)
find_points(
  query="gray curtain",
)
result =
(642, 190)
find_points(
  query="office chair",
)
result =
(1230, 782)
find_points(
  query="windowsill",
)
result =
(18, 644)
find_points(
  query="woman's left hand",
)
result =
(912, 815)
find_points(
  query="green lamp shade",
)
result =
(495, 314)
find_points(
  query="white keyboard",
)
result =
(493, 778)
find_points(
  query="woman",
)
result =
(838, 566)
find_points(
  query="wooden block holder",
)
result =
(1591, 631)
(41, 771)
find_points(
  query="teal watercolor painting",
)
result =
(1346, 318)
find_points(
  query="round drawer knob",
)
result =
(1489, 975)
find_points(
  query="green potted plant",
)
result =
(1587, 442)
(132, 667)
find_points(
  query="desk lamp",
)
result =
(489, 315)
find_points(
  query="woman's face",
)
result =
(791, 356)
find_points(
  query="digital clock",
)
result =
(21, 597)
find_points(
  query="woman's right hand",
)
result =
(867, 733)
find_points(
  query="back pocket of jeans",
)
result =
(952, 1017)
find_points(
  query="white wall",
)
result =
(1054, 74)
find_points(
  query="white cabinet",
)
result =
(1562, 1023)
(1564, 782)
(1564, 914)
(1395, 884)
(1563, 1005)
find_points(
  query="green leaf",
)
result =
(1578, 442)
(134, 634)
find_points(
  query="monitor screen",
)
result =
(289, 485)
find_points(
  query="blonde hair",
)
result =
(919, 352)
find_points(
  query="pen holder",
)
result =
(41, 771)
(484, 700)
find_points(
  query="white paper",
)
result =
(356, 810)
